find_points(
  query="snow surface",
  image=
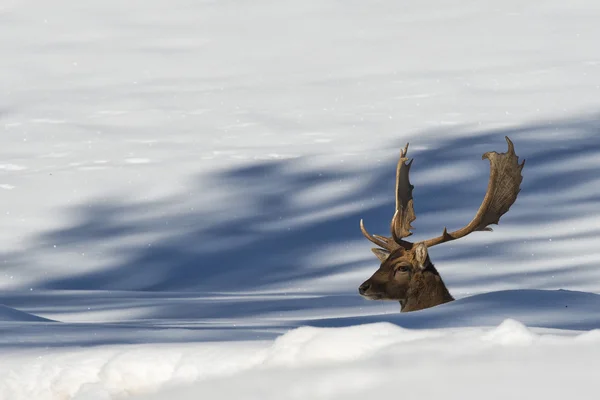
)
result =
(322, 363)
(181, 184)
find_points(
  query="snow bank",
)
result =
(8, 314)
(316, 363)
(141, 318)
(509, 361)
(555, 309)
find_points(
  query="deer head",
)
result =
(406, 273)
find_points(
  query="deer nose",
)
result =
(362, 289)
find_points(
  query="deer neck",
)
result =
(428, 290)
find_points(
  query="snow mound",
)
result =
(369, 361)
(8, 314)
(307, 362)
(308, 345)
(510, 332)
(591, 336)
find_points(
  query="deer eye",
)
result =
(403, 269)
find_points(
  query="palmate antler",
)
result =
(503, 188)
(404, 214)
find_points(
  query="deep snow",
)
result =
(181, 184)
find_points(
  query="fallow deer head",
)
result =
(406, 273)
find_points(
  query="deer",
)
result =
(406, 273)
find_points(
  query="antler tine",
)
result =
(380, 241)
(404, 214)
(404, 151)
(503, 188)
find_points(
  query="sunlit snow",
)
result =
(182, 183)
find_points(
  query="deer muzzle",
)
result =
(366, 291)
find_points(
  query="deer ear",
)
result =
(421, 255)
(380, 253)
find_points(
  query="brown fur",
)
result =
(408, 278)
(426, 290)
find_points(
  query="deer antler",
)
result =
(404, 215)
(502, 191)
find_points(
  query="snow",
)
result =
(321, 363)
(182, 183)
(10, 314)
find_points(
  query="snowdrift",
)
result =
(8, 314)
(554, 309)
(163, 318)
(319, 363)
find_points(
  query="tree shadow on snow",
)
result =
(259, 237)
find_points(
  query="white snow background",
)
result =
(181, 184)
